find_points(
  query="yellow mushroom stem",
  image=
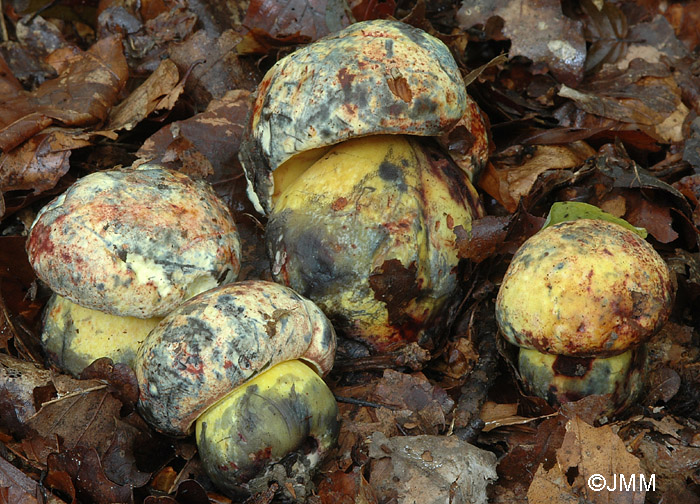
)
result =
(74, 336)
(560, 379)
(287, 409)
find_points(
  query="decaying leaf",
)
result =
(537, 30)
(607, 30)
(214, 66)
(416, 402)
(158, 92)
(79, 473)
(340, 487)
(271, 22)
(511, 175)
(643, 96)
(595, 459)
(82, 95)
(40, 162)
(17, 488)
(429, 469)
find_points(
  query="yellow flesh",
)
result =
(265, 419)
(77, 335)
(368, 201)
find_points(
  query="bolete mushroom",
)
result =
(580, 298)
(243, 361)
(362, 217)
(124, 244)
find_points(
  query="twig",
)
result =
(362, 402)
(73, 394)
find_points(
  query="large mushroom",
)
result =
(580, 298)
(363, 217)
(121, 248)
(244, 362)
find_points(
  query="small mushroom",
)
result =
(242, 361)
(126, 243)
(363, 218)
(589, 293)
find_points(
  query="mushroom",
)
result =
(362, 217)
(126, 243)
(74, 336)
(580, 298)
(243, 361)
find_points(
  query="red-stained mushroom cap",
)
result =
(584, 288)
(134, 242)
(374, 77)
(218, 340)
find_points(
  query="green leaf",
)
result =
(563, 211)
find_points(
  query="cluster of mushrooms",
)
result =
(361, 235)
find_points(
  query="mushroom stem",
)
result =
(287, 409)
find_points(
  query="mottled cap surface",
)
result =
(134, 242)
(217, 340)
(584, 288)
(373, 77)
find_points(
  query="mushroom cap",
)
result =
(374, 77)
(219, 339)
(368, 232)
(586, 287)
(134, 242)
(74, 336)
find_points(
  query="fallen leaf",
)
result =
(145, 99)
(86, 478)
(512, 174)
(550, 487)
(82, 95)
(340, 487)
(427, 405)
(685, 19)
(309, 19)
(40, 162)
(429, 469)
(537, 30)
(607, 30)
(596, 458)
(80, 418)
(644, 95)
(215, 66)
(20, 489)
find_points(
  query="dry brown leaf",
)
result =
(85, 418)
(81, 96)
(598, 458)
(550, 487)
(429, 469)
(147, 98)
(301, 18)
(418, 404)
(511, 175)
(40, 162)
(537, 30)
(644, 95)
(79, 472)
(340, 487)
(215, 66)
(654, 216)
(19, 488)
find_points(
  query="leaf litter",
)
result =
(598, 105)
